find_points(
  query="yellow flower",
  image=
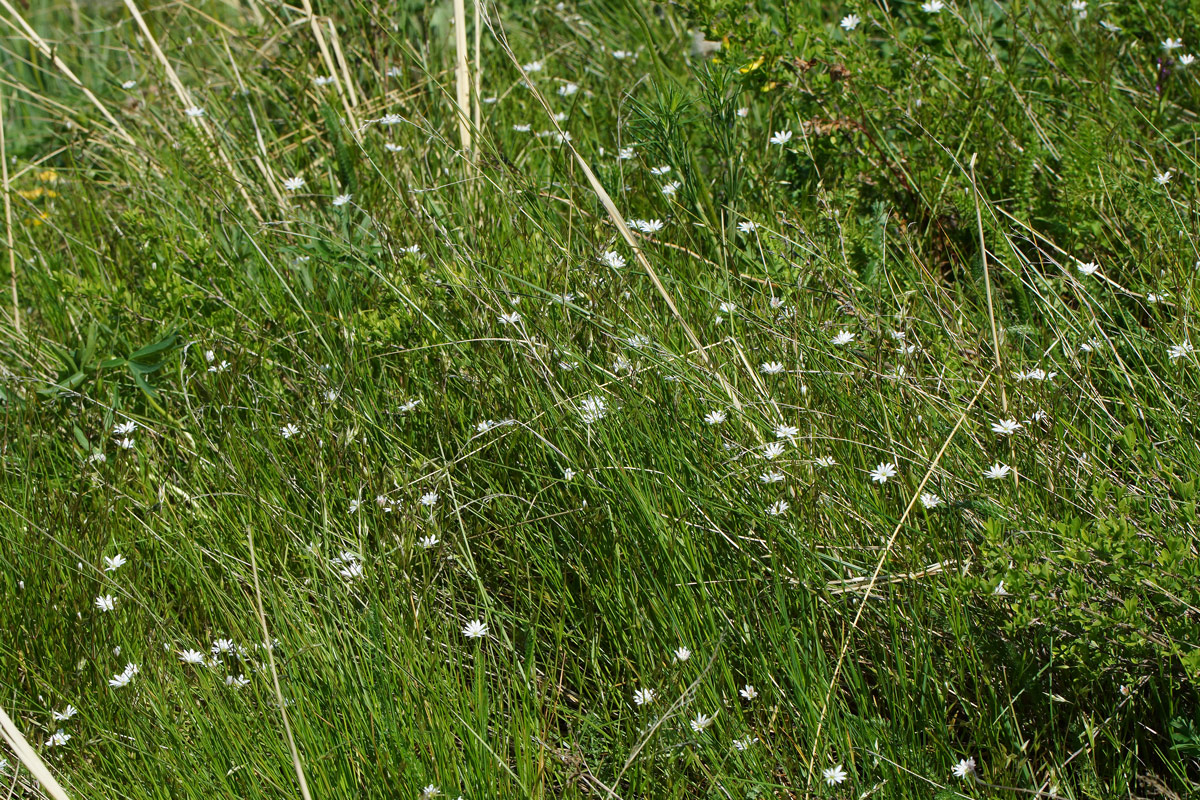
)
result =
(753, 65)
(47, 176)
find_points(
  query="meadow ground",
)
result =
(537, 400)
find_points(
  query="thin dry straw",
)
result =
(329, 65)
(478, 68)
(186, 100)
(12, 255)
(341, 60)
(887, 548)
(287, 727)
(615, 216)
(32, 37)
(987, 283)
(462, 77)
(29, 758)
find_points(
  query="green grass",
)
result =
(1044, 623)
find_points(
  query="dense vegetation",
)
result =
(724, 400)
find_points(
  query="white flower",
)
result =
(391, 119)
(786, 432)
(124, 428)
(97, 458)
(568, 89)
(352, 571)
(592, 409)
(354, 504)
(394, 148)
(1000, 590)
(223, 646)
(1006, 427)
(192, 657)
(341, 199)
(128, 84)
(781, 137)
(1035, 374)
(1170, 44)
(522, 127)
(430, 792)
(770, 477)
(194, 111)
(428, 541)
(701, 721)
(882, 472)
(114, 563)
(1079, 7)
(119, 681)
(748, 692)
(777, 508)
(845, 337)
(612, 259)
(1087, 268)
(533, 66)
(65, 714)
(236, 682)
(1180, 350)
(58, 739)
(429, 499)
(682, 653)
(409, 405)
(930, 500)
(997, 471)
(671, 188)
(1187, 60)
(126, 443)
(1163, 178)
(715, 417)
(850, 22)
(744, 743)
(964, 768)
(289, 430)
(294, 184)
(824, 461)
(658, 172)
(933, 6)
(621, 55)
(509, 319)
(105, 602)
(834, 775)
(1110, 27)
(770, 368)
(643, 696)
(772, 450)
(475, 629)
(647, 225)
